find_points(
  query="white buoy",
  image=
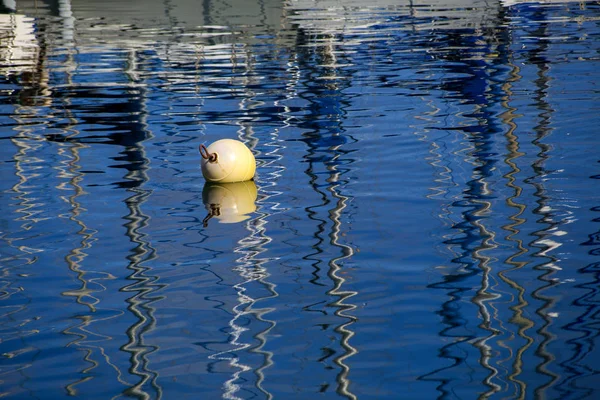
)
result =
(227, 160)
(229, 202)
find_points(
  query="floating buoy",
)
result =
(227, 160)
(229, 202)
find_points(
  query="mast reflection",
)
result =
(145, 284)
(508, 354)
(545, 240)
(325, 146)
(477, 237)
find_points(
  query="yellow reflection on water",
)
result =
(229, 202)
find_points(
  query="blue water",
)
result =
(426, 217)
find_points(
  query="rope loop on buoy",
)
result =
(211, 157)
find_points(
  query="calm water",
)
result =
(424, 222)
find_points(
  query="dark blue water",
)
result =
(425, 223)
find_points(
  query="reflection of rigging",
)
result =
(251, 267)
(140, 304)
(16, 255)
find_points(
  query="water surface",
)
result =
(425, 223)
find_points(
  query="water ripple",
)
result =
(425, 220)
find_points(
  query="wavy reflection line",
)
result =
(332, 105)
(474, 230)
(252, 268)
(335, 267)
(259, 239)
(342, 308)
(27, 208)
(145, 285)
(25, 54)
(483, 240)
(477, 239)
(75, 260)
(140, 304)
(69, 169)
(479, 195)
(516, 220)
(27, 50)
(545, 240)
(484, 299)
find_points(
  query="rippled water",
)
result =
(424, 221)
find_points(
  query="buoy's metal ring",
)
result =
(211, 157)
(215, 211)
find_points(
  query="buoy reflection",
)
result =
(229, 202)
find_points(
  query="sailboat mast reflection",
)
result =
(144, 284)
(35, 92)
(325, 144)
(507, 350)
(335, 267)
(473, 239)
(545, 240)
(90, 342)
